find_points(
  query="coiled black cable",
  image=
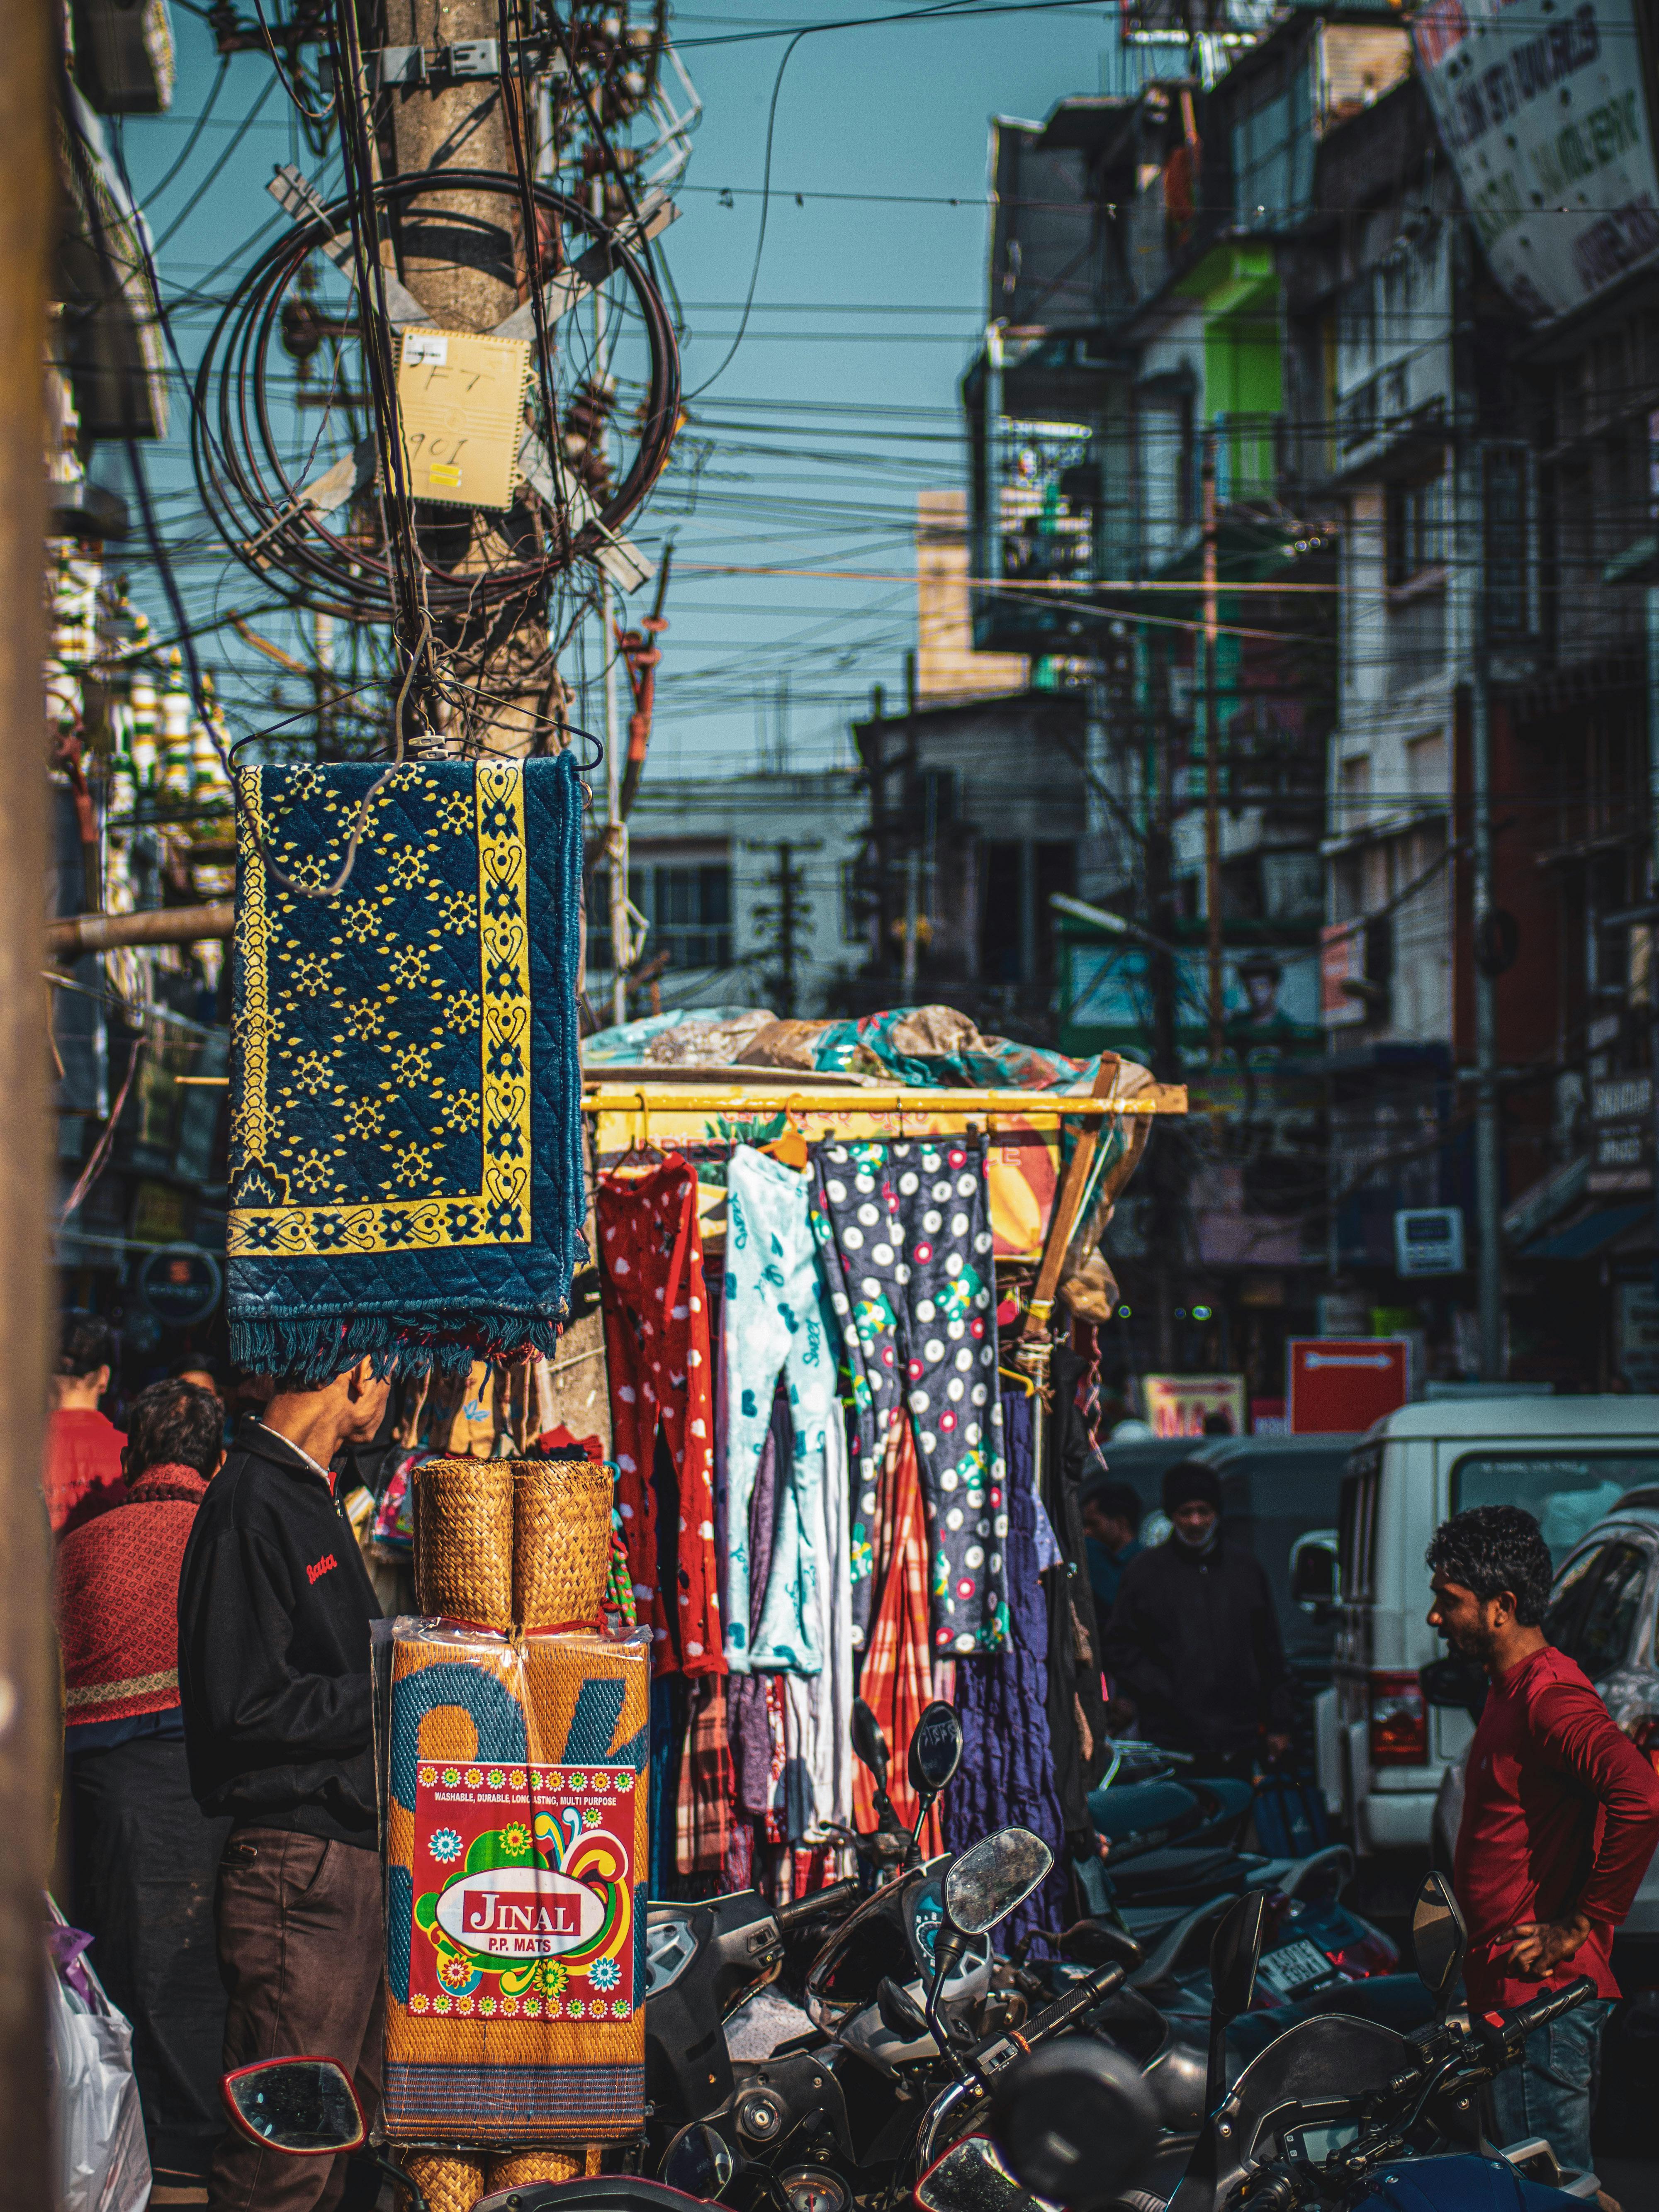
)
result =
(254, 502)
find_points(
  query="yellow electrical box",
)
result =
(461, 399)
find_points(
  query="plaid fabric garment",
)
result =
(895, 1680)
(708, 1785)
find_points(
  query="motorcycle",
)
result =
(1336, 2114)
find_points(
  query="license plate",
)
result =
(1294, 1968)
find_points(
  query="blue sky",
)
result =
(808, 451)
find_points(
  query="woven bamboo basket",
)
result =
(463, 1541)
(560, 1540)
(521, 2166)
(450, 2181)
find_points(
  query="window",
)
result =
(1415, 517)
(688, 905)
(1506, 545)
(1603, 1636)
(1592, 1617)
(1566, 1494)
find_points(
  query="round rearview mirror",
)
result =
(305, 2106)
(935, 1750)
(868, 1742)
(1073, 2121)
(991, 1878)
(1439, 1939)
(698, 2161)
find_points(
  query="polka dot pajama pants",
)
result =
(657, 1349)
(906, 1231)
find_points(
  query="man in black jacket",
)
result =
(273, 1610)
(1194, 1644)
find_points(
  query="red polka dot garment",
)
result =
(658, 1350)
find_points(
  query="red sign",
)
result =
(529, 1914)
(1341, 962)
(1345, 1382)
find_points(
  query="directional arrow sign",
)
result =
(1336, 1385)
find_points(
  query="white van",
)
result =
(1381, 1749)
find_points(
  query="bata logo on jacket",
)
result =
(325, 1565)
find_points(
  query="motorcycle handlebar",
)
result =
(1056, 2019)
(832, 1895)
(1510, 2026)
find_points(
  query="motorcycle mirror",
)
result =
(935, 1750)
(1073, 2121)
(1235, 1954)
(869, 1744)
(304, 2106)
(1439, 1939)
(985, 1883)
(698, 2161)
(900, 2015)
(971, 2177)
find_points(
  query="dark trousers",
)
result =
(300, 1945)
(145, 1861)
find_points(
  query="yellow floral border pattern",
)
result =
(500, 1212)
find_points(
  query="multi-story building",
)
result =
(1290, 319)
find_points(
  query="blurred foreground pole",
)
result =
(27, 1706)
(1488, 1137)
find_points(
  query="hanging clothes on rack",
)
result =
(777, 1328)
(1006, 1775)
(1077, 1706)
(895, 1680)
(658, 1355)
(905, 1229)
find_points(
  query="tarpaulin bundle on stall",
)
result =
(406, 1159)
(515, 1805)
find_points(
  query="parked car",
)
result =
(1604, 1612)
(1279, 1499)
(1382, 1749)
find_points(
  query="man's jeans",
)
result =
(300, 1949)
(1552, 2092)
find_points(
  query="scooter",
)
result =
(705, 1961)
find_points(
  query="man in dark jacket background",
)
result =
(1193, 1645)
(275, 1606)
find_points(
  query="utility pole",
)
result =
(912, 917)
(1211, 764)
(1488, 1166)
(28, 1721)
(785, 917)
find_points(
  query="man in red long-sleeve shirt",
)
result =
(1560, 1818)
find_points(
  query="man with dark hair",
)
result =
(274, 1607)
(144, 1857)
(1111, 1536)
(1560, 1817)
(1194, 1644)
(84, 1449)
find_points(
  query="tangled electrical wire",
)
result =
(254, 461)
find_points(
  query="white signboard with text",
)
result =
(1546, 117)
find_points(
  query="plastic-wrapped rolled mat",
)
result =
(450, 2181)
(463, 1541)
(560, 1540)
(515, 1836)
(525, 2165)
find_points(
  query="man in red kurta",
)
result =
(83, 1449)
(1560, 1818)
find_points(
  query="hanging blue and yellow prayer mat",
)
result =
(405, 1156)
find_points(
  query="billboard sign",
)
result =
(1335, 1384)
(1546, 119)
(1179, 1405)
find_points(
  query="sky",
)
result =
(806, 451)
